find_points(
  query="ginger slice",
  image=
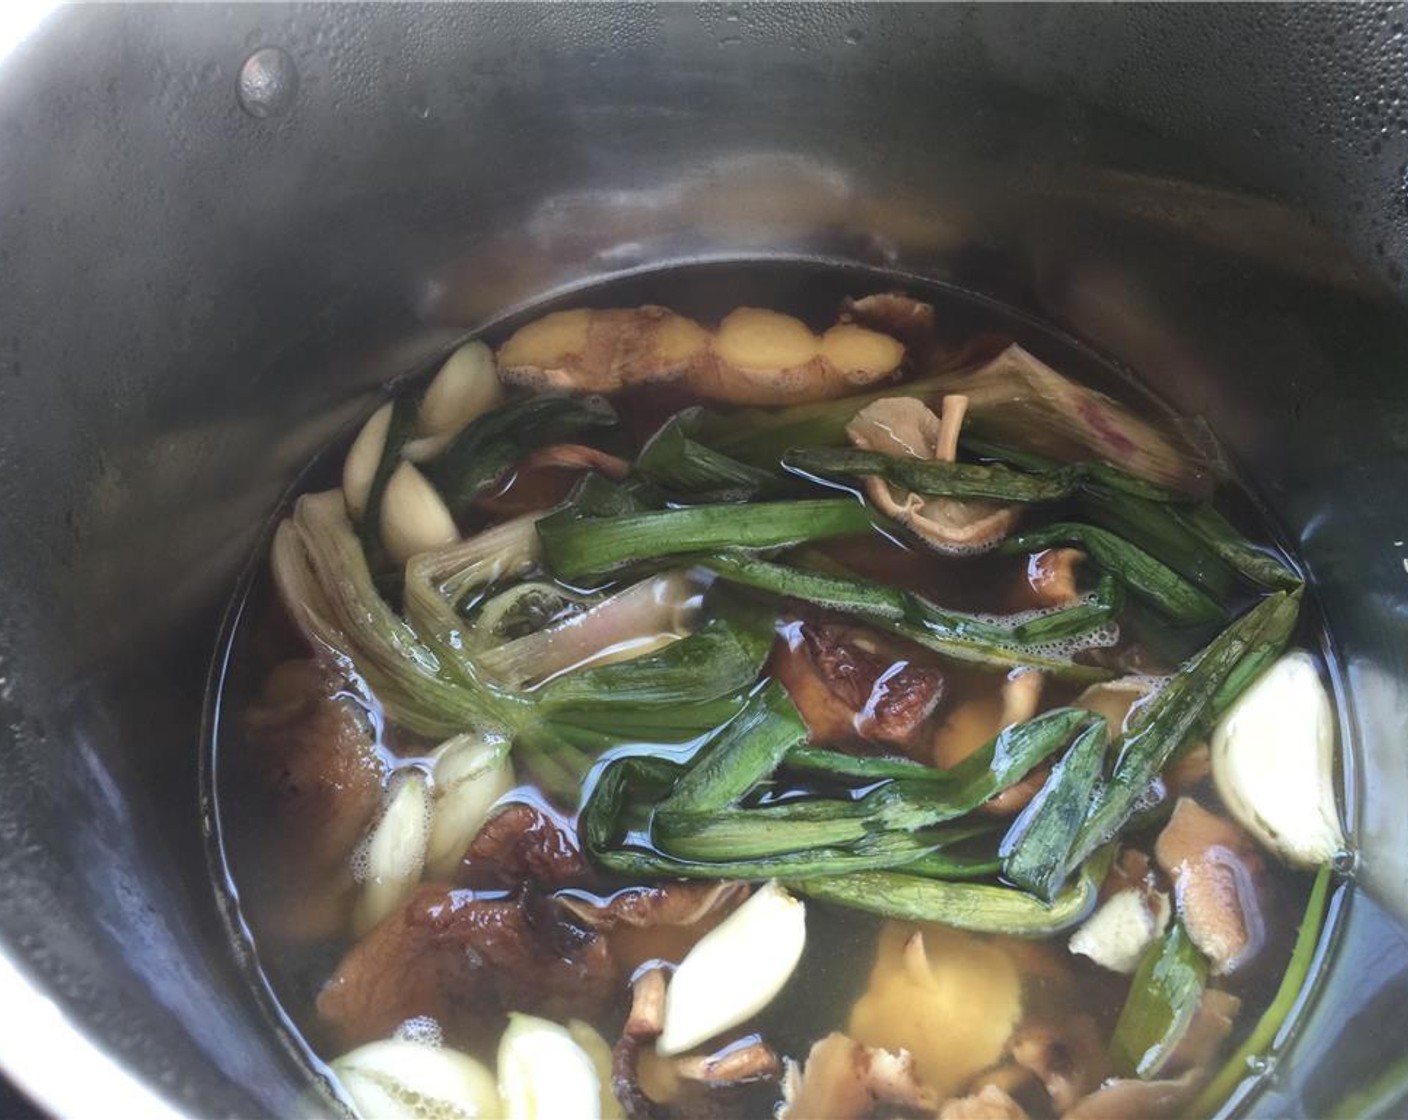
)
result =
(756, 357)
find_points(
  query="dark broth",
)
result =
(841, 943)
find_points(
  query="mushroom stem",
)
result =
(647, 1015)
(732, 1065)
(1021, 696)
(952, 409)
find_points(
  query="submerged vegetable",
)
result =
(1163, 997)
(544, 1074)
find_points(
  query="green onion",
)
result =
(576, 546)
(741, 755)
(1152, 580)
(492, 443)
(1293, 981)
(954, 634)
(1163, 998)
(684, 467)
(725, 655)
(972, 906)
(1179, 709)
(1037, 848)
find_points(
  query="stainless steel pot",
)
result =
(220, 226)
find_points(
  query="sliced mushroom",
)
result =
(849, 681)
(662, 922)
(988, 1103)
(906, 426)
(1021, 698)
(1067, 1057)
(1124, 1098)
(756, 357)
(950, 999)
(1118, 934)
(843, 1080)
(1117, 700)
(1215, 867)
(903, 317)
(733, 1065)
(1273, 762)
(1051, 576)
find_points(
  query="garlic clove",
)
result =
(1118, 934)
(471, 773)
(414, 518)
(544, 1074)
(466, 387)
(599, 1051)
(735, 970)
(390, 861)
(398, 1079)
(363, 457)
(1273, 762)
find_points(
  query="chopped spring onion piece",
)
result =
(413, 517)
(1121, 931)
(1178, 711)
(321, 572)
(734, 970)
(723, 657)
(544, 1074)
(954, 634)
(972, 906)
(740, 755)
(1163, 998)
(936, 478)
(471, 773)
(1239, 1065)
(491, 444)
(1153, 581)
(394, 854)
(465, 389)
(1273, 758)
(399, 1079)
(576, 546)
(659, 605)
(683, 467)
(1036, 849)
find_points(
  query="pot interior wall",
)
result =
(195, 298)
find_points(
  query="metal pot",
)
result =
(221, 226)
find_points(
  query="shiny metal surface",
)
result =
(193, 297)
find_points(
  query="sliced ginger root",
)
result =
(755, 357)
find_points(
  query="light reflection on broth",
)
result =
(601, 846)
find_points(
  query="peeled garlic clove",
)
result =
(399, 1078)
(359, 468)
(1273, 763)
(735, 970)
(390, 863)
(544, 1074)
(471, 773)
(1118, 934)
(599, 1051)
(465, 388)
(414, 518)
